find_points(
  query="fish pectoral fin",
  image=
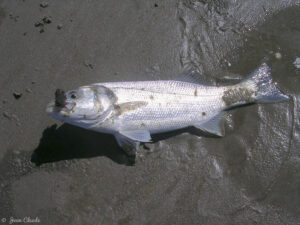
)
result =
(129, 106)
(137, 135)
(195, 77)
(214, 126)
(129, 146)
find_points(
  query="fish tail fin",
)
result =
(266, 90)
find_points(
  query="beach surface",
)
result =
(54, 173)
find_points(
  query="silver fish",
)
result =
(132, 111)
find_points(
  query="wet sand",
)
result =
(62, 174)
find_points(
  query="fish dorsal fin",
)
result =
(195, 77)
(214, 126)
(137, 135)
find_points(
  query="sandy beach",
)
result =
(55, 173)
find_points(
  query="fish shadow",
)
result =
(190, 130)
(69, 142)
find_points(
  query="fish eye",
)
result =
(73, 95)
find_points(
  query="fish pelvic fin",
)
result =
(128, 146)
(266, 90)
(258, 87)
(130, 140)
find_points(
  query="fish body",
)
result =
(161, 106)
(132, 111)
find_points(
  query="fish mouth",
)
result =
(57, 111)
(60, 106)
(60, 98)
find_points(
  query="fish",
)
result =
(133, 111)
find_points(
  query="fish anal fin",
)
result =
(214, 126)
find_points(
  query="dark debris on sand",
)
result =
(44, 21)
(44, 5)
(17, 95)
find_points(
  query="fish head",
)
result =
(83, 107)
